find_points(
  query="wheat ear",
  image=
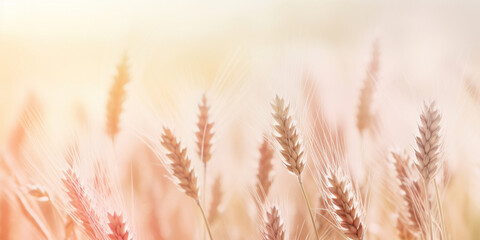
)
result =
(180, 169)
(428, 143)
(428, 153)
(217, 196)
(204, 134)
(264, 169)
(84, 212)
(345, 206)
(273, 228)
(204, 137)
(287, 137)
(117, 225)
(365, 119)
(116, 98)
(409, 223)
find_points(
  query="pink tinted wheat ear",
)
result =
(428, 143)
(265, 166)
(428, 156)
(345, 206)
(204, 134)
(273, 228)
(365, 118)
(217, 196)
(180, 169)
(180, 165)
(118, 227)
(84, 211)
(292, 153)
(409, 222)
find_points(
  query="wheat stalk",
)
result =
(291, 149)
(180, 169)
(117, 225)
(273, 226)
(116, 98)
(84, 212)
(264, 168)
(345, 206)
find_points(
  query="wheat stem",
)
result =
(308, 206)
(205, 220)
(444, 230)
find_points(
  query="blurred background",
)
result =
(62, 55)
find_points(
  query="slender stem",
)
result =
(308, 206)
(429, 208)
(204, 190)
(444, 230)
(205, 220)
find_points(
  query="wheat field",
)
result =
(273, 120)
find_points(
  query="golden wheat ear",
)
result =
(116, 98)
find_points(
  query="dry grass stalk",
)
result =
(84, 212)
(428, 143)
(116, 98)
(217, 196)
(365, 119)
(117, 225)
(180, 164)
(291, 149)
(180, 168)
(273, 229)
(346, 207)
(264, 168)
(204, 134)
